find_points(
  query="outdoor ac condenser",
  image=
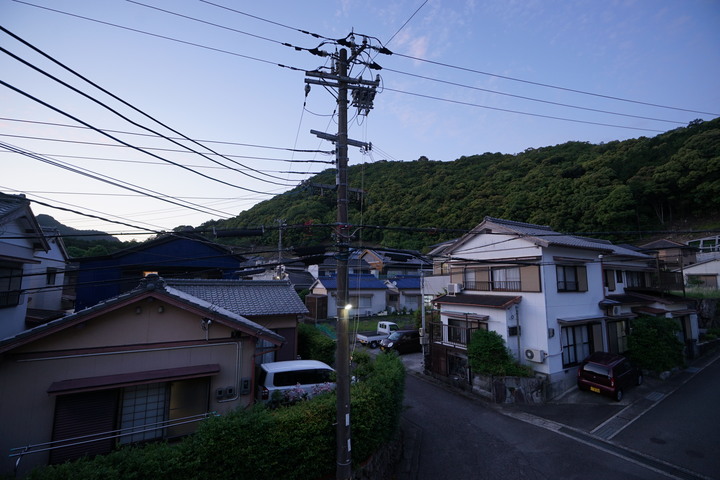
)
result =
(535, 355)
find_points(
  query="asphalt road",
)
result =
(683, 428)
(661, 430)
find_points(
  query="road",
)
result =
(683, 428)
(655, 435)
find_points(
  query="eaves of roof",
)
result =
(491, 301)
(148, 290)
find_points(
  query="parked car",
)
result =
(293, 377)
(607, 374)
(372, 338)
(403, 341)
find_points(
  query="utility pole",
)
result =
(363, 92)
(342, 355)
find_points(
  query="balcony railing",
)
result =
(454, 335)
(496, 286)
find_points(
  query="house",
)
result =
(46, 285)
(22, 246)
(328, 266)
(670, 254)
(147, 364)
(274, 304)
(707, 247)
(392, 263)
(403, 293)
(703, 274)
(367, 294)
(554, 298)
(177, 255)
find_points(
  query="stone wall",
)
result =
(510, 389)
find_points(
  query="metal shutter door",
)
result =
(81, 414)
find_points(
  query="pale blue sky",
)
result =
(660, 52)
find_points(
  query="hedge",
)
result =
(294, 442)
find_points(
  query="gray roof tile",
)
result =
(245, 297)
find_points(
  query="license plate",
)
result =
(595, 389)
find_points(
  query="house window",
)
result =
(618, 276)
(618, 336)
(143, 406)
(575, 344)
(609, 278)
(506, 279)
(149, 411)
(571, 278)
(459, 331)
(706, 281)
(635, 279)
(10, 284)
(51, 275)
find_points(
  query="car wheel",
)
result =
(640, 379)
(618, 394)
(373, 344)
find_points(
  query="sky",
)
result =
(204, 109)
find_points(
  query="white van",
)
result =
(307, 376)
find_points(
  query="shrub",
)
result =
(292, 442)
(488, 355)
(654, 344)
(314, 345)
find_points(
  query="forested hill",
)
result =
(636, 185)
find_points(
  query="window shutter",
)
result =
(582, 279)
(530, 278)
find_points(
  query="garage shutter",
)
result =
(82, 414)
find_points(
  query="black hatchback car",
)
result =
(404, 341)
(607, 374)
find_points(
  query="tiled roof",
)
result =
(545, 236)
(11, 203)
(405, 282)
(148, 287)
(245, 297)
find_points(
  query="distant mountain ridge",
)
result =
(616, 190)
(621, 191)
(72, 233)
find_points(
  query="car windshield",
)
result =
(395, 336)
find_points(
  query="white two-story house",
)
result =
(546, 293)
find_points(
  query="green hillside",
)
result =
(646, 184)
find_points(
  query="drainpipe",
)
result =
(517, 324)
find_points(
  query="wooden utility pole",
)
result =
(342, 355)
(363, 94)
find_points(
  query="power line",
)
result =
(156, 149)
(549, 102)
(60, 111)
(552, 117)
(610, 97)
(119, 99)
(418, 59)
(219, 50)
(219, 142)
(109, 180)
(529, 82)
(141, 162)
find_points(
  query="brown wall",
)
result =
(79, 352)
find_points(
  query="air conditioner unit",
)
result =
(616, 310)
(454, 288)
(535, 355)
